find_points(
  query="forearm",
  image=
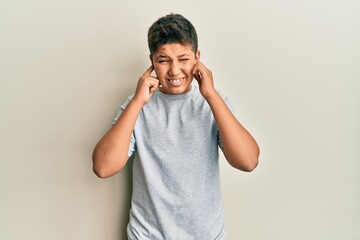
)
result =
(111, 153)
(239, 147)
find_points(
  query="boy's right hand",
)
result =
(146, 86)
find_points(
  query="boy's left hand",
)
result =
(204, 77)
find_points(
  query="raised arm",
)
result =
(239, 147)
(111, 152)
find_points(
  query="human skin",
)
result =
(175, 65)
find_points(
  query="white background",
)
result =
(290, 68)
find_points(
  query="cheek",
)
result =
(187, 68)
(159, 71)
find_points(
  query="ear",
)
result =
(197, 55)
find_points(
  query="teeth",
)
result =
(176, 80)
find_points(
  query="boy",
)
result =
(174, 128)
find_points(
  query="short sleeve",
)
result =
(132, 146)
(230, 106)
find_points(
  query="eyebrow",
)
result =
(165, 56)
(162, 56)
(183, 55)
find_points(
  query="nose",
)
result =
(175, 69)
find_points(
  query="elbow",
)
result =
(100, 172)
(105, 171)
(246, 164)
(252, 161)
(99, 169)
(251, 165)
(103, 167)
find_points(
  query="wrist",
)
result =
(138, 103)
(210, 95)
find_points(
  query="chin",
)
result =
(184, 88)
(179, 90)
(172, 91)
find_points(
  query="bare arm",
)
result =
(239, 147)
(111, 152)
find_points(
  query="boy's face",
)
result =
(173, 64)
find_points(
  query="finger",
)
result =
(152, 82)
(195, 68)
(199, 66)
(149, 71)
(197, 71)
(153, 86)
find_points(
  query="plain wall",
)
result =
(290, 68)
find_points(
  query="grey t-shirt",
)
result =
(176, 182)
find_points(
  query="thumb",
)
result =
(148, 72)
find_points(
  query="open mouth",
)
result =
(176, 81)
